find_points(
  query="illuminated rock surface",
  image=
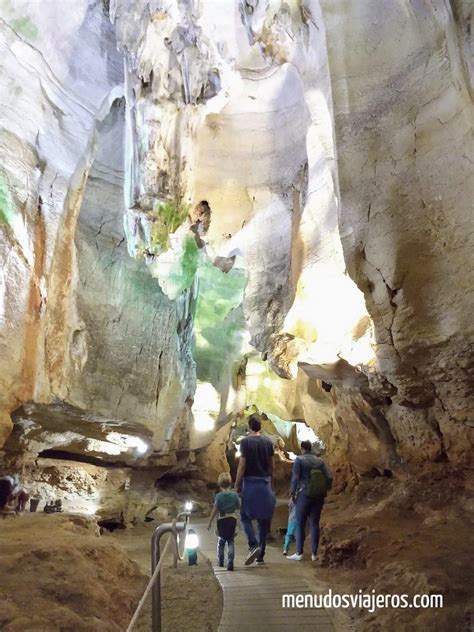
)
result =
(269, 201)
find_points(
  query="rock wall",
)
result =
(83, 324)
(53, 99)
(405, 155)
(207, 205)
(375, 188)
(135, 367)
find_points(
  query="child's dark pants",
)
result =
(226, 532)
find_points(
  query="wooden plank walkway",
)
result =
(253, 594)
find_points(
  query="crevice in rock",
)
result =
(64, 455)
(443, 456)
(147, 85)
(158, 381)
(391, 292)
(374, 473)
(111, 524)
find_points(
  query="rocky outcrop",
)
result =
(268, 203)
(84, 324)
(53, 103)
(404, 138)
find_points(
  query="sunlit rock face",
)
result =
(405, 156)
(231, 99)
(207, 205)
(53, 97)
(84, 326)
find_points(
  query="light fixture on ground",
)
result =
(188, 505)
(191, 545)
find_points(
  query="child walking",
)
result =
(292, 524)
(226, 506)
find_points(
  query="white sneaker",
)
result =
(295, 557)
(313, 557)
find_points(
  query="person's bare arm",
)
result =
(211, 518)
(240, 474)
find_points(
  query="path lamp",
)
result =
(191, 545)
(183, 515)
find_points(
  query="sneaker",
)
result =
(296, 556)
(259, 562)
(313, 557)
(285, 552)
(252, 556)
(230, 566)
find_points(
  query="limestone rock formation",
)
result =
(82, 322)
(404, 135)
(206, 205)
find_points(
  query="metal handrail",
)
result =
(154, 585)
(173, 528)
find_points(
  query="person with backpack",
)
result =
(310, 482)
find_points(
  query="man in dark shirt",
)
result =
(254, 480)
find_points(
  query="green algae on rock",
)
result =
(220, 325)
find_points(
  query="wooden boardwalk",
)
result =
(253, 594)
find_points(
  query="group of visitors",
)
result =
(255, 499)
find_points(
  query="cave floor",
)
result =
(56, 573)
(191, 596)
(386, 536)
(253, 594)
(220, 601)
(397, 537)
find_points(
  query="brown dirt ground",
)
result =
(415, 536)
(56, 575)
(192, 598)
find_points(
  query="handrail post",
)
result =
(167, 527)
(175, 548)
